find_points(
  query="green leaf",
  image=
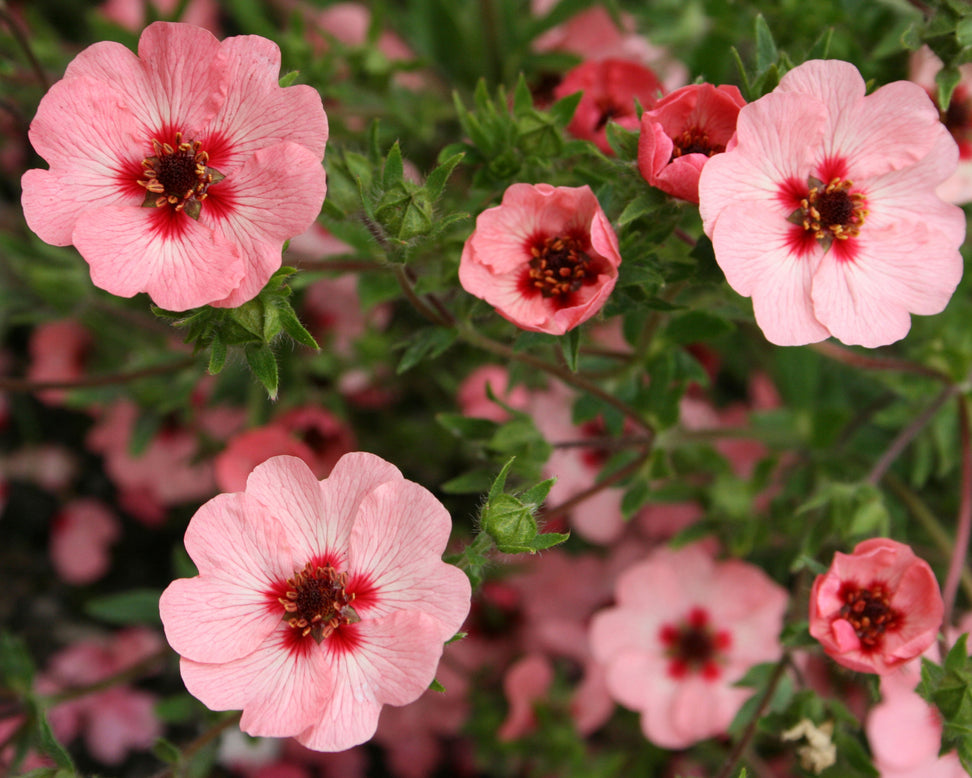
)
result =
(393, 170)
(766, 51)
(292, 326)
(570, 348)
(217, 355)
(564, 109)
(49, 744)
(435, 686)
(474, 482)
(469, 427)
(946, 80)
(427, 343)
(522, 99)
(697, 326)
(635, 209)
(167, 751)
(288, 78)
(136, 606)
(16, 666)
(264, 366)
(436, 180)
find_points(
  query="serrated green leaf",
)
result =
(136, 606)
(393, 170)
(263, 363)
(436, 180)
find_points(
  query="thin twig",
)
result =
(629, 469)
(18, 33)
(25, 385)
(140, 668)
(866, 362)
(963, 523)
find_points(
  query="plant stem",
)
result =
(136, 670)
(964, 521)
(616, 477)
(852, 358)
(201, 742)
(18, 33)
(25, 385)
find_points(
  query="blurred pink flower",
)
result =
(313, 434)
(610, 88)
(546, 258)
(317, 602)
(58, 350)
(684, 630)
(180, 172)
(133, 14)
(876, 608)
(114, 721)
(682, 131)
(474, 401)
(525, 684)
(335, 315)
(823, 208)
(957, 118)
(81, 536)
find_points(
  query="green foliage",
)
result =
(510, 518)
(949, 688)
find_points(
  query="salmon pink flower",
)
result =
(610, 88)
(876, 608)
(181, 171)
(317, 602)
(685, 628)
(682, 131)
(823, 209)
(546, 258)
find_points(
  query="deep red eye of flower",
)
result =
(560, 266)
(694, 647)
(318, 602)
(869, 611)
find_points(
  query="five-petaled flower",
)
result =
(179, 172)
(317, 602)
(823, 208)
(682, 131)
(876, 608)
(685, 628)
(546, 258)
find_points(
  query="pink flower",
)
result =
(876, 608)
(682, 131)
(474, 400)
(58, 352)
(610, 88)
(180, 172)
(823, 209)
(114, 721)
(317, 602)
(684, 630)
(81, 536)
(546, 258)
(957, 118)
(132, 14)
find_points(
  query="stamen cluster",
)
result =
(695, 140)
(317, 602)
(178, 176)
(832, 211)
(870, 613)
(559, 266)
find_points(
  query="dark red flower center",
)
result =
(178, 176)
(560, 266)
(958, 120)
(831, 212)
(870, 613)
(695, 140)
(693, 646)
(317, 601)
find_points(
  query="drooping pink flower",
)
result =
(180, 172)
(81, 536)
(824, 211)
(923, 67)
(317, 602)
(610, 88)
(876, 608)
(114, 721)
(685, 628)
(546, 258)
(681, 132)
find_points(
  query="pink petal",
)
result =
(275, 195)
(257, 112)
(181, 263)
(280, 691)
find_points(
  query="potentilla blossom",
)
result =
(181, 171)
(610, 87)
(317, 602)
(823, 208)
(876, 608)
(685, 628)
(682, 131)
(546, 258)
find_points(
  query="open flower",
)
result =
(685, 628)
(179, 172)
(682, 131)
(610, 88)
(876, 608)
(546, 258)
(823, 209)
(317, 602)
